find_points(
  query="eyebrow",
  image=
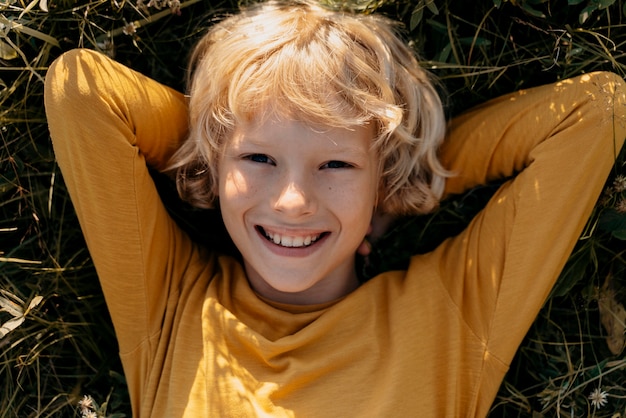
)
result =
(343, 148)
(338, 146)
(350, 151)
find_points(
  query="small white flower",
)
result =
(129, 29)
(86, 404)
(619, 184)
(598, 398)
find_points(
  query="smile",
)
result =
(290, 241)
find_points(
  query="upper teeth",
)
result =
(289, 241)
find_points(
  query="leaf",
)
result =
(603, 4)
(585, 14)
(432, 7)
(573, 52)
(574, 2)
(437, 26)
(613, 222)
(7, 52)
(613, 319)
(417, 15)
(619, 234)
(572, 274)
(418, 12)
(597, 370)
(10, 325)
(416, 18)
(11, 307)
(33, 303)
(444, 54)
(19, 315)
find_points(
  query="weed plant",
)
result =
(56, 341)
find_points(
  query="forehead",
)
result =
(282, 130)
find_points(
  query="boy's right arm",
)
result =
(107, 124)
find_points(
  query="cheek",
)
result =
(356, 204)
(239, 185)
(235, 196)
(233, 185)
(369, 198)
(355, 190)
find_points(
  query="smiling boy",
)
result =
(297, 202)
(301, 124)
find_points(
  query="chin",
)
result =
(290, 288)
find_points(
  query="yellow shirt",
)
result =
(435, 340)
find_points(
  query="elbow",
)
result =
(607, 104)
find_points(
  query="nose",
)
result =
(295, 199)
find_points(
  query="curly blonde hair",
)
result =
(325, 67)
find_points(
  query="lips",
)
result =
(289, 240)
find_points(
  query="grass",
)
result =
(56, 341)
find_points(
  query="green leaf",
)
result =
(597, 370)
(433, 7)
(574, 2)
(573, 52)
(444, 54)
(572, 274)
(619, 234)
(416, 17)
(418, 12)
(603, 4)
(586, 13)
(437, 26)
(614, 222)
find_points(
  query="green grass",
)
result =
(63, 347)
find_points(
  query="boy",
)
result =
(304, 122)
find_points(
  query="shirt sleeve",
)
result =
(557, 144)
(107, 124)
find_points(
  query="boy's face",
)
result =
(297, 202)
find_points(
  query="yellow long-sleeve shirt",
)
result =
(435, 340)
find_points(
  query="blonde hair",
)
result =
(326, 68)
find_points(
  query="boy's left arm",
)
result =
(558, 143)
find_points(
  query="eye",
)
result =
(259, 158)
(337, 164)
